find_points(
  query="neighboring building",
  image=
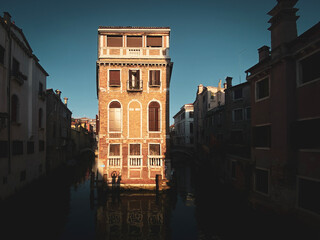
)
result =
(22, 110)
(285, 86)
(133, 80)
(183, 123)
(207, 98)
(59, 145)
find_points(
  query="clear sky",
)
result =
(210, 39)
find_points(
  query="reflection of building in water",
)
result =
(133, 216)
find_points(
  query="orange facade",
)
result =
(133, 93)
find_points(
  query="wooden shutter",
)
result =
(154, 149)
(135, 150)
(154, 78)
(154, 41)
(134, 41)
(114, 150)
(114, 77)
(154, 111)
(114, 41)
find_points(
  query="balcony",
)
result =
(155, 161)
(135, 161)
(126, 52)
(114, 161)
(134, 85)
(18, 77)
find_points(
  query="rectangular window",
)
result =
(134, 80)
(115, 119)
(262, 136)
(30, 147)
(134, 41)
(237, 94)
(262, 181)
(3, 149)
(135, 149)
(154, 149)
(114, 41)
(308, 197)
(237, 115)
(41, 145)
(309, 68)
(154, 78)
(262, 88)
(17, 147)
(306, 134)
(2, 52)
(114, 78)
(15, 67)
(154, 41)
(114, 150)
(190, 114)
(248, 113)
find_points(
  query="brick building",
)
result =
(133, 79)
(285, 86)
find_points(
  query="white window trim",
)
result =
(137, 156)
(254, 179)
(121, 113)
(128, 124)
(255, 89)
(120, 156)
(108, 80)
(299, 71)
(297, 193)
(160, 114)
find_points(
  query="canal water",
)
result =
(63, 206)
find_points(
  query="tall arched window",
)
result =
(154, 116)
(14, 108)
(115, 117)
(40, 117)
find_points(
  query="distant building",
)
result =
(207, 98)
(133, 79)
(59, 145)
(183, 124)
(285, 86)
(22, 110)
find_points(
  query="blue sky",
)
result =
(210, 39)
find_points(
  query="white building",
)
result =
(183, 123)
(22, 110)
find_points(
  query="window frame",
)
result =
(253, 136)
(150, 46)
(233, 114)
(109, 150)
(255, 180)
(233, 94)
(149, 79)
(121, 116)
(122, 38)
(300, 82)
(154, 143)
(159, 120)
(256, 92)
(114, 86)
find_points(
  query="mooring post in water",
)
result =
(158, 182)
(105, 181)
(92, 179)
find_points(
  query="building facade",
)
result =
(285, 86)
(183, 123)
(133, 79)
(59, 145)
(22, 110)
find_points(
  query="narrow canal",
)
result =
(62, 206)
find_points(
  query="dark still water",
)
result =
(62, 206)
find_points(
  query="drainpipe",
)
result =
(7, 19)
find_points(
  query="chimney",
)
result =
(65, 101)
(229, 82)
(283, 22)
(200, 89)
(58, 92)
(264, 52)
(224, 85)
(7, 18)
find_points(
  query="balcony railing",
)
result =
(114, 161)
(134, 85)
(135, 161)
(125, 52)
(155, 161)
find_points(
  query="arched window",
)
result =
(115, 117)
(40, 117)
(154, 116)
(14, 108)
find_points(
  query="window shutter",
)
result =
(114, 77)
(114, 41)
(134, 41)
(154, 119)
(154, 41)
